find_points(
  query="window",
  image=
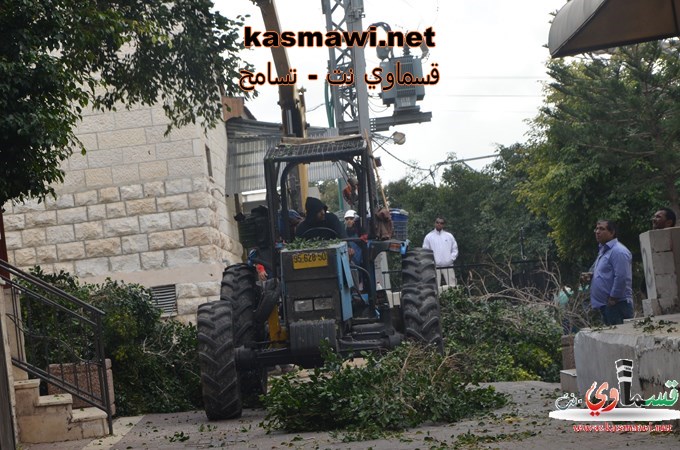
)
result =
(209, 160)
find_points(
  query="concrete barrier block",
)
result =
(663, 263)
(651, 307)
(667, 286)
(568, 381)
(659, 240)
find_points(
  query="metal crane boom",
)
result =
(291, 101)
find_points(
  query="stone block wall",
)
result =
(661, 260)
(140, 206)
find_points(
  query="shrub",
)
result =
(154, 361)
(496, 339)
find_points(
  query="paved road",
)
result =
(523, 424)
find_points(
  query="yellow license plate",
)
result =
(308, 260)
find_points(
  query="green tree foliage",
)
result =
(59, 57)
(605, 145)
(329, 194)
(480, 208)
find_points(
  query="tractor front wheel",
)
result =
(217, 361)
(418, 267)
(239, 287)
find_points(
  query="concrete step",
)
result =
(51, 418)
(568, 380)
(88, 423)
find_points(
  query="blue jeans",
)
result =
(614, 315)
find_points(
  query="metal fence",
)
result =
(518, 274)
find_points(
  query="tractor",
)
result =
(314, 293)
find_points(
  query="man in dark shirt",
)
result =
(325, 225)
(663, 218)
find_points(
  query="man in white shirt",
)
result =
(445, 249)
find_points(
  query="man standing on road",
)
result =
(611, 282)
(663, 218)
(445, 249)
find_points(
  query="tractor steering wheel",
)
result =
(320, 233)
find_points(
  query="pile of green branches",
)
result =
(404, 388)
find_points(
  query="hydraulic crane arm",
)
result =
(291, 101)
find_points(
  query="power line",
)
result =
(485, 112)
(500, 77)
(490, 95)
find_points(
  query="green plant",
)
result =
(154, 361)
(401, 389)
(497, 339)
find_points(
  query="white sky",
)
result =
(491, 58)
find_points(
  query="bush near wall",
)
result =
(154, 361)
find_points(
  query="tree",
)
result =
(58, 57)
(481, 210)
(606, 144)
(330, 194)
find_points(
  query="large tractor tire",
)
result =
(239, 287)
(417, 266)
(419, 304)
(421, 315)
(217, 361)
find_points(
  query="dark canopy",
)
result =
(588, 25)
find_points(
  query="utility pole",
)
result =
(350, 103)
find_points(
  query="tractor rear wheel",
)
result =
(419, 304)
(418, 266)
(217, 361)
(239, 287)
(421, 315)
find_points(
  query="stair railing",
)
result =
(57, 338)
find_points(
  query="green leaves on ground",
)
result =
(404, 388)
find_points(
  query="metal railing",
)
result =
(57, 338)
(528, 273)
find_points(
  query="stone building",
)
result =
(139, 207)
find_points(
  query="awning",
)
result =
(587, 25)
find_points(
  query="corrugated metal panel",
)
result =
(165, 298)
(248, 141)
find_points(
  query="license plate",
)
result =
(308, 260)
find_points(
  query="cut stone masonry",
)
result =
(140, 206)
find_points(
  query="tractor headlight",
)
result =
(323, 303)
(303, 305)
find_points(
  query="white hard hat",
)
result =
(350, 213)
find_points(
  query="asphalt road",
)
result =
(522, 424)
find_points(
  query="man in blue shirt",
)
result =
(611, 289)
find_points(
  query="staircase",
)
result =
(56, 348)
(51, 418)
